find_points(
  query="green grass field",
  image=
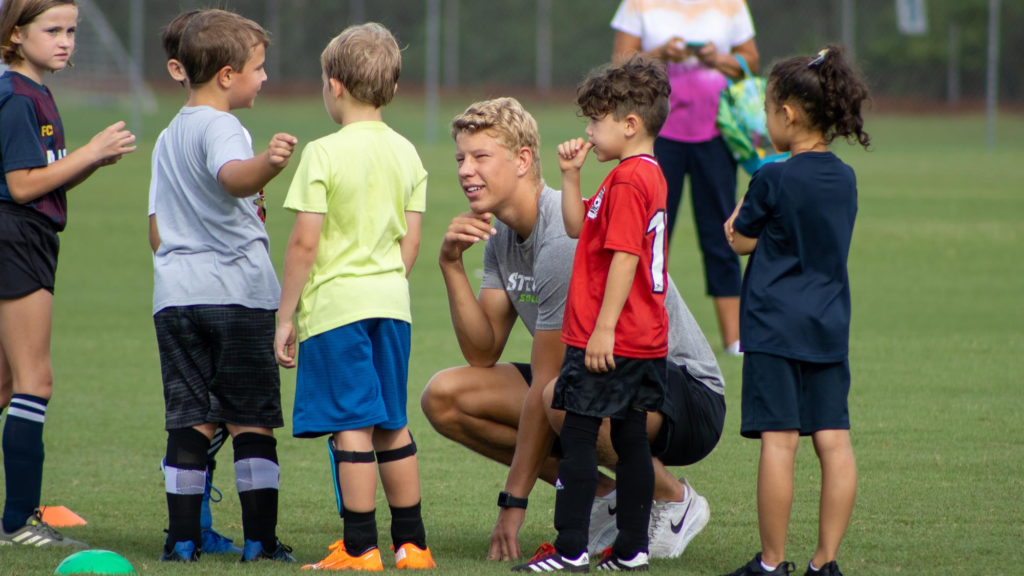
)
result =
(937, 397)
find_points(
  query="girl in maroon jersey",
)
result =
(36, 37)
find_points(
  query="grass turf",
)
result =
(936, 400)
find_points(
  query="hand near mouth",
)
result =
(572, 154)
(466, 229)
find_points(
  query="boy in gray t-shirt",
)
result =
(215, 291)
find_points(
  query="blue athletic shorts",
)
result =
(785, 394)
(353, 377)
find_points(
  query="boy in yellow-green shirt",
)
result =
(359, 195)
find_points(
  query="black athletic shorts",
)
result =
(786, 394)
(218, 365)
(694, 417)
(634, 384)
(28, 251)
(694, 420)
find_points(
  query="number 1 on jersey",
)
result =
(657, 225)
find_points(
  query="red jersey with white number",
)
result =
(626, 215)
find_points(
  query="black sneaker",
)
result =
(547, 559)
(830, 569)
(754, 567)
(609, 561)
(254, 551)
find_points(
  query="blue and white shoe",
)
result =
(216, 543)
(254, 551)
(182, 552)
(213, 541)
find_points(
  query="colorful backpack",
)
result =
(741, 121)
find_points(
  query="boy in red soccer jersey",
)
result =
(615, 325)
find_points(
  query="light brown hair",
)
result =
(214, 39)
(637, 86)
(170, 36)
(367, 61)
(19, 13)
(509, 123)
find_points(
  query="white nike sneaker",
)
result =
(674, 524)
(602, 524)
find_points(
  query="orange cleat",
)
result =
(410, 556)
(339, 559)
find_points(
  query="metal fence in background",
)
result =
(918, 55)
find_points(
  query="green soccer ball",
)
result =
(95, 562)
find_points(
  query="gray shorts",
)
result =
(218, 365)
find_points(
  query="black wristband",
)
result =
(506, 500)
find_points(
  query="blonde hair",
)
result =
(510, 124)
(15, 13)
(367, 61)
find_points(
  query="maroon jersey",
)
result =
(626, 215)
(31, 136)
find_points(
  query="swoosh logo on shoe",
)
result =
(677, 527)
(611, 510)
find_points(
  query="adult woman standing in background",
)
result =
(699, 41)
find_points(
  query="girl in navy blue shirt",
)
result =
(36, 37)
(796, 223)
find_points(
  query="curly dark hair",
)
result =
(829, 91)
(638, 85)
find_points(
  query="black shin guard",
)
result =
(577, 483)
(407, 451)
(406, 523)
(337, 457)
(257, 477)
(634, 475)
(220, 437)
(360, 531)
(185, 481)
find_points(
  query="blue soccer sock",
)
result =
(23, 458)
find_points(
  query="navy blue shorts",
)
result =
(353, 377)
(785, 394)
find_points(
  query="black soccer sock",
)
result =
(216, 443)
(185, 480)
(360, 532)
(257, 477)
(576, 484)
(407, 526)
(634, 474)
(23, 458)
